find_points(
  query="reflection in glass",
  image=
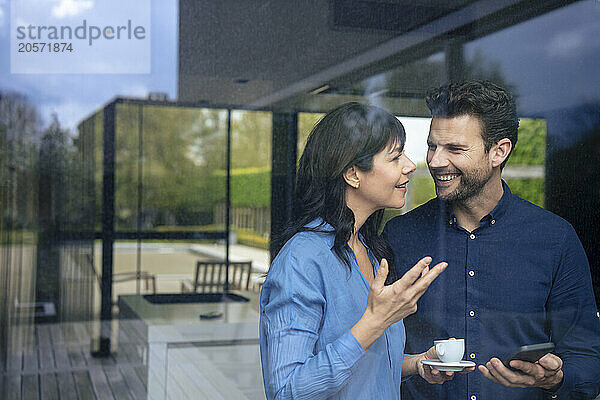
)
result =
(169, 178)
(250, 210)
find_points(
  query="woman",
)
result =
(330, 328)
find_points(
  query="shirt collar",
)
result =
(323, 228)
(492, 217)
(502, 205)
(321, 225)
(329, 232)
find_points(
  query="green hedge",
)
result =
(531, 146)
(529, 189)
(250, 238)
(422, 189)
(250, 187)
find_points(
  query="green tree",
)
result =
(251, 139)
(181, 147)
(20, 127)
(306, 123)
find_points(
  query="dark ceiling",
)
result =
(314, 54)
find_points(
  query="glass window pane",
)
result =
(250, 212)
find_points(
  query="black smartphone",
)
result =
(531, 353)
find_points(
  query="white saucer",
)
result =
(451, 366)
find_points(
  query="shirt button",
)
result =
(472, 236)
(472, 313)
(471, 273)
(473, 397)
(472, 355)
(555, 396)
(493, 222)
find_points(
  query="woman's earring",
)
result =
(357, 185)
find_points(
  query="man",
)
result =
(517, 274)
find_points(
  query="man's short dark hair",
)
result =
(493, 105)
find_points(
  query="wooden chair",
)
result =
(132, 276)
(210, 277)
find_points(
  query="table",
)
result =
(164, 326)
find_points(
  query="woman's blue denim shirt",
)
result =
(309, 302)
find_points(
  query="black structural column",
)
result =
(572, 172)
(455, 62)
(51, 210)
(283, 170)
(108, 229)
(228, 203)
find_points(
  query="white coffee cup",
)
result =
(451, 350)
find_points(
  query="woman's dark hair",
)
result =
(347, 136)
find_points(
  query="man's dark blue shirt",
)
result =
(521, 278)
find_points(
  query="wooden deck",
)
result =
(60, 366)
(227, 372)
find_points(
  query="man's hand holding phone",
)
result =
(545, 373)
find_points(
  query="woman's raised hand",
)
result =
(389, 304)
(393, 302)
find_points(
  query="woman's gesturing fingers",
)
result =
(413, 274)
(391, 303)
(424, 281)
(419, 277)
(411, 293)
(381, 276)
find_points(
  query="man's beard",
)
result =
(470, 185)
